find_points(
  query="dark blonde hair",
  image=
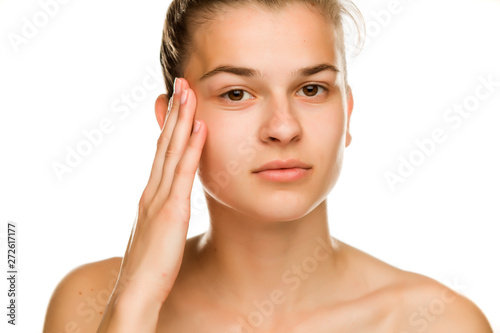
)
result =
(183, 16)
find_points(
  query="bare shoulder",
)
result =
(433, 307)
(79, 300)
(411, 302)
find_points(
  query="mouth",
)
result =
(283, 164)
(283, 175)
(283, 171)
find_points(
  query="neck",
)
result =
(246, 260)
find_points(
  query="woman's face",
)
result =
(271, 110)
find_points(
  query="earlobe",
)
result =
(161, 109)
(348, 139)
(350, 105)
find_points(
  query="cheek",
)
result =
(328, 135)
(225, 159)
(329, 128)
(223, 151)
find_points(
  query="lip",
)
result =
(283, 164)
(283, 171)
(283, 175)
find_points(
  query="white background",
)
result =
(443, 221)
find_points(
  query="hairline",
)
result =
(194, 24)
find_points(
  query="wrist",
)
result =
(127, 313)
(134, 301)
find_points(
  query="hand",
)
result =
(156, 245)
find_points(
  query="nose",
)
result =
(281, 125)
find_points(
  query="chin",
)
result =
(281, 206)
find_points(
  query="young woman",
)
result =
(260, 109)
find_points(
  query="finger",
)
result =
(177, 144)
(185, 171)
(129, 245)
(171, 118)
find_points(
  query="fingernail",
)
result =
(196, 127)
(176, 85)
(184, 96)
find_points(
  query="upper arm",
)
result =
(79, 300)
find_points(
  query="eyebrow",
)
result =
(250, 72)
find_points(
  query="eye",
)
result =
(311, 90)
(235, 95)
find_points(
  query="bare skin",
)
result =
(375, 297)
(267, 262)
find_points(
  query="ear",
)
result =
(161, 109)
(350, 105)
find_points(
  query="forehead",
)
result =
(253, 36)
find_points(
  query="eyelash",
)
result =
(244, 91)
